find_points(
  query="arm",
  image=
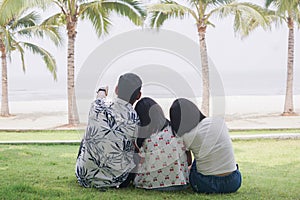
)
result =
(189, 157)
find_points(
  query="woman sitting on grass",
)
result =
(214, 169)
(163, 164)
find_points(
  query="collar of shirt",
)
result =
(122, 102)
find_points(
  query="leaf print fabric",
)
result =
(106, 154)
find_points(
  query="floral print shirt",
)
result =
(163, 163)
(106, 154)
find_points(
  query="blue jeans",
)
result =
(214, 184)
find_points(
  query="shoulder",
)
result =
(211, 122)
(125, 110)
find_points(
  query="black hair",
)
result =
(152, 119)
(129, 87)
(184, 116)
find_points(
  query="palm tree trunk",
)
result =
(288, 105)
(205, 69)
(4, 97)
(73, 117)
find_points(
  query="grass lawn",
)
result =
(77, 135)
(41, 135)
(266, 131)
(270, 170)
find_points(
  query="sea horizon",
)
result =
(61, 94)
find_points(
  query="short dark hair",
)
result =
(129, 87)
(184, 116)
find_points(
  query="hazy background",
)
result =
(255, 65)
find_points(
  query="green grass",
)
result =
(270, 170)
(77, 135)
(265, 131)
(40, 135)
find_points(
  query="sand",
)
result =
(240, 112)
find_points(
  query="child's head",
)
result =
(129, 87)
(184, 116)
(152, 118)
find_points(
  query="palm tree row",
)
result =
(97, 12)
(289, 12)
(17, 21)
(247, 17)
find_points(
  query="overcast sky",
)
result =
(263, 53)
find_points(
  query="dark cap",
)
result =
(129, 86)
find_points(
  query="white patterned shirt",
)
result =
(106, 156)
(164, 162)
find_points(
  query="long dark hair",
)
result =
(184, 116)
(152, 119)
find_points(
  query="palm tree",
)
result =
(17, 22)
(247, 16)
(289, 11)
(98, 13)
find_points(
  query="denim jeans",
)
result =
(214, 184)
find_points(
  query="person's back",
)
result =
(211, 146)
(214, 169)
(164, 162)
(105, 157)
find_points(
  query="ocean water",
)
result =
(233, 83)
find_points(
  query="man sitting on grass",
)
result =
(105, 157)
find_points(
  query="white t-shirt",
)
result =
(211, 145)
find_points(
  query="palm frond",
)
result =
(158, 18)
(40, 31)
(284, 7)
(43, 4)
(253, 16)
(269, 2)
(46, 56)
(98, 12)
(25, 21)
(131, 9)
(98, 16)
(247, 16)
(21, 51)
(9, 8)
(297, 17)
(57, 19)
(168, 9)
(216, 3)
(52, 32)
(51, 29)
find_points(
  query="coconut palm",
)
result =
(16, 23)
(247, 16)
(289, 11)
(98, 13)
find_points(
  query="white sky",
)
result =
(264, 53)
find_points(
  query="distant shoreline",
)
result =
(241, 112)
(242, 104)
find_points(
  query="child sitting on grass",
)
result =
(164, 163)
(214, 169)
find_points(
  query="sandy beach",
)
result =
(240, 112)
